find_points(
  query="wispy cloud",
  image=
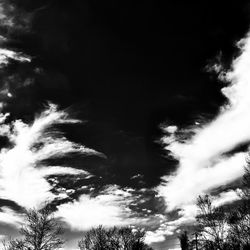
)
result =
(109, 208)
(24, 169)
(12, 17)
(203, 164)
(13, 21)
(186, 216)
(10, 217)
(194, 180)
(22, 173)
(6, 55)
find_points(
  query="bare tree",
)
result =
(213, 222)
(16, 244)
(226, 227)
(239, 219)
(239, 230)
(41, 232)
(124, 238)
(246, 180)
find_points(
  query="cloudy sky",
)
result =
(122, 113)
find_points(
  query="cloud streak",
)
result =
(22, 173)
(10, 217)
(109, 208)
(12, 22)
(6, 55)
(203, 164)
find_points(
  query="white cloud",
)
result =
(6, 54)
(187, 214)
(10, 217)
(12, 19)
(109, 208)
(154, 236)
(5, 19)
(22, 175)
(226, 197)
(203, 164)
(192, 181)
(165, 228)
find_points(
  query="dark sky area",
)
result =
(126, 67)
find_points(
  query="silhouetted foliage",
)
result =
(124, 238)
(184, 242)
(224, 227)
(239, 220)
(41, 232)
(213, 222)
(246, 179)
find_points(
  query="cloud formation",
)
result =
(22, 173)
(109, 208)
(10, 217)
(203, 162)
(12, 18)
(6, 55)
(13, 21)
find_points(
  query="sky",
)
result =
(122, 113)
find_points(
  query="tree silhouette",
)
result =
(184, 242)
(222, 228)
(124, 238)
(41, 232)
(239, 219)
(213, 223)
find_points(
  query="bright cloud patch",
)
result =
(6, 55)
(8, 216)
(12, 17)
(109, 208)
(203, 164)
(14, 20)
(22, 175)
(192, 181)
(187, 213)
